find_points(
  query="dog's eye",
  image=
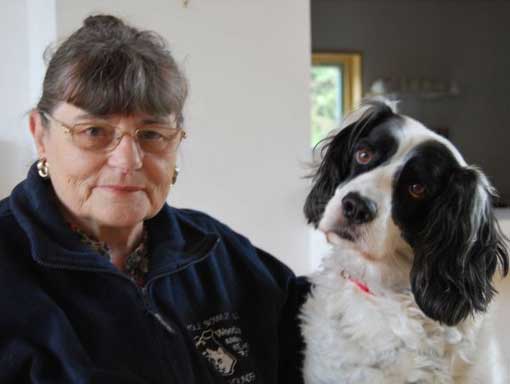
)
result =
(417, 190)
(364, 156)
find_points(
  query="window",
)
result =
(336, 90)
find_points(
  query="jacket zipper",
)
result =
(155, 314)
(145, 294)
(142, 291)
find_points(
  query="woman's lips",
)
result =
(121, 188)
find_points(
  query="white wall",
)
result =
(26, 27)
(13, 98)
(248, 114)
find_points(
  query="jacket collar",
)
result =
(174, 242)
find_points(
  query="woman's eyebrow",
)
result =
(89, 116)
(163, 121)
(144, 121)
(155, 120)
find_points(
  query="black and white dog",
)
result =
(404, 296)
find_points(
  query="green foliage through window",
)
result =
(327, 108)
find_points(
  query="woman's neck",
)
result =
(121, 241)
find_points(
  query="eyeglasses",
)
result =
(99, 136)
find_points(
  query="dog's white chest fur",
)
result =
(356, 337)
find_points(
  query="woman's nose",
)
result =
(127, 155)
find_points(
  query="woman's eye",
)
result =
(149, 135)
(417, 190)
(95, 131)
(364, 156)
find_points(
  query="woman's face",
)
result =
(119, 188)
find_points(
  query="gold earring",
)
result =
(176, 173)
(42, 168)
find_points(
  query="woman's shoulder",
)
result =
(238, 245)
(207, 223)
(8, 224)
(4, 208)
(15, 259)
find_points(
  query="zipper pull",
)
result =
(163, 322)
(154, 313)
(146, 302)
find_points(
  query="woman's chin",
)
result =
(119, 219)
(121, 215)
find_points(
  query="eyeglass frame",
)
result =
(116, 139)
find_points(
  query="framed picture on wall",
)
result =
(336, 90)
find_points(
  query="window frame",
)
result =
(351, 64)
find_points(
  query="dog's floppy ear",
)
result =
(333, 168)
(336, 153)
(457, 253)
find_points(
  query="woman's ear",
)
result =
(38, 131)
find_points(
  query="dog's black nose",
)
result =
(357, 209)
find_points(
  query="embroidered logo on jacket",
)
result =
(217, 354)
(220, 340)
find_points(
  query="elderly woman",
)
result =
(101, 280)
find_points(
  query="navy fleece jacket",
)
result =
(214, 308)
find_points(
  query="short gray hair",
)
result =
(107, 67)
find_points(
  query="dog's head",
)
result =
(401, 195)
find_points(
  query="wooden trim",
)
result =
(351, 64)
